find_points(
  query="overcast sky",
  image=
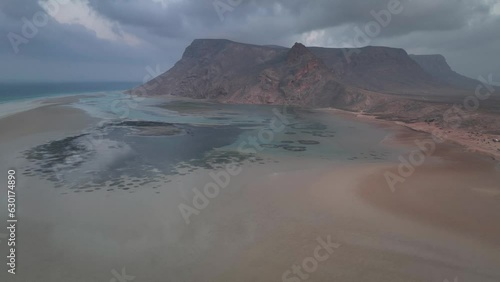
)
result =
(118, 39)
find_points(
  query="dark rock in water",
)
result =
(243, 125)
(56, 152)
(309, 126)
(52, 156)
(152, 128)
(287, 142)
(323, 134)
(271, 146)
(141, 123)
(290, 133)
(308, 142)
(295, 148)
(219, 118)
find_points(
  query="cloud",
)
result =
(81, 13)
(132, 34)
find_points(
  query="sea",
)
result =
(24, 91)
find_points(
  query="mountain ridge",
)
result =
(437, 66)
(233, 72)
(381, 82)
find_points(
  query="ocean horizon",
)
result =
(25, 91)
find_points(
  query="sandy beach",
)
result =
(440, 224)
(471, 140)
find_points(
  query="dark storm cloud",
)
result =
(466, 32)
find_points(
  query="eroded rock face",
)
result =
(241, 73)
(437, 66)
(381, 69)
(354, 79)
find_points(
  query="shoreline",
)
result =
(482, 144)
(18, 106)
(34, 126)
(458, 193)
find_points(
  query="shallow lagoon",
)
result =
(149, 140)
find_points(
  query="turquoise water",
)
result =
(10, 92)
(335, 137)
(150, 139)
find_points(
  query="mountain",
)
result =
(233, 72)
(381, 69)
(437, 66)
(387, 83)
(242, 73)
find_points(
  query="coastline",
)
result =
(47, 120)
(477, 142)
(455, 189)
(18, 106)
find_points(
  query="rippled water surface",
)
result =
(146, 141)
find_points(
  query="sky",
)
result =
(133, 40)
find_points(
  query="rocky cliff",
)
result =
(234, 72)
(241, 73)
(437, 66)
(381, 69)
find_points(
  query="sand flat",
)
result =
(43, 119)
(437, 226)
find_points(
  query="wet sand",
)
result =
(45, 119)
(459, 192)
(441, 223)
